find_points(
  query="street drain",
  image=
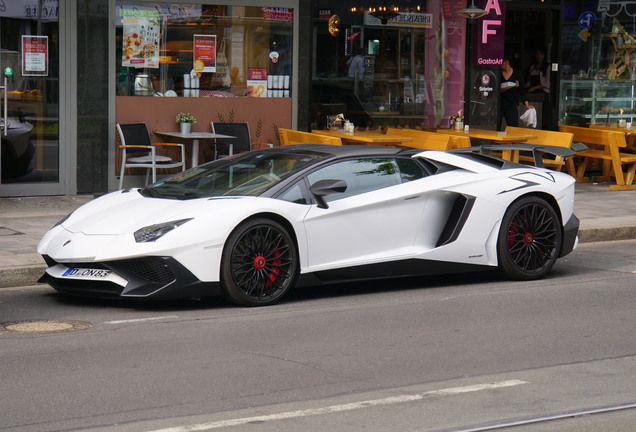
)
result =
(44, 326)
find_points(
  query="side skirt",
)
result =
(394, 269)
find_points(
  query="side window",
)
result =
(410, 170)
(294, 194)
(361, 175)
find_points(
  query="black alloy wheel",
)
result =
(529, 240)
(259, 264)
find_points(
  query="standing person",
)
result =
(356, 63)
(539, 82)
(512, 93)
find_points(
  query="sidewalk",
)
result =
(604, 215)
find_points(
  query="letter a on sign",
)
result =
(493, 5)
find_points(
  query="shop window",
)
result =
(201, 50)
(598, 70)
(386, 88)
(29, 55)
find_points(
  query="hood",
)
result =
(127, 211)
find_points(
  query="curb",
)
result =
(21, 276)
(592, 235)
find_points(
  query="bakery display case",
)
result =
(586, 102)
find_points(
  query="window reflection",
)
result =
(29, 47)
(199, 50)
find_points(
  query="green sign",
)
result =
(8, 71)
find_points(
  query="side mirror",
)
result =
(325, 187)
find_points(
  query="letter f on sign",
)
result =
(488, 31)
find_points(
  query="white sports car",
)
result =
(252, 226)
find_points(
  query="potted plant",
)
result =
(185, 121)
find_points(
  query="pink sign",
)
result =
(489, 34)
(35, 55)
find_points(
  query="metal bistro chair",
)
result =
(139, 152)
(242, 142)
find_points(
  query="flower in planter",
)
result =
(185, 118)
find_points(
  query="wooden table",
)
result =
(195, 137)
(496, 137)
(630, 135)
(366, 137)
(607, 146)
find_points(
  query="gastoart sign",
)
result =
(489, 34)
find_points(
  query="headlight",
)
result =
(154, 232)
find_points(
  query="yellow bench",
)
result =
(429, 140)
(289, 136)
(550, 138)
(604, 146)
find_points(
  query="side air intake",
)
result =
(456, 220)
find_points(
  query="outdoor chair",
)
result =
(139, 152)
(242, 142)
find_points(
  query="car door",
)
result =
(375, 220)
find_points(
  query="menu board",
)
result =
(35, 55)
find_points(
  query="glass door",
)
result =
(29, 61)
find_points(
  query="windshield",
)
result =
(246, 174)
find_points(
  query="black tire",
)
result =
(529, 239)
(259, 263)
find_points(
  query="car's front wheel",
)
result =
(529, 239)
(259, 264)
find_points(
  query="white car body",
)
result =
(398, 224)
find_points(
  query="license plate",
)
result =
(86, 273)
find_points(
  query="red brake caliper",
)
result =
(512, 232)
(528, 237)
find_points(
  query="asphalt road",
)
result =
(463, 352)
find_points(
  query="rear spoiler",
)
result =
(537, 150)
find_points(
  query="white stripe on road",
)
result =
(343, 407)
(141, 320)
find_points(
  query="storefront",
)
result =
(31, 58)
(81, 67)
(598, 71)
(77, 68)
(398, 69)
(221, 63)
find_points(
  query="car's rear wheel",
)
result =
(529, 239)
(259, 264)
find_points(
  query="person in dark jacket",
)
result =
(512, 93)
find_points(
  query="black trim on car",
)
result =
(570, 231)
(393, 269)
(153, 276)
(456, 219)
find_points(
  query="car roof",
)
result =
(343, 151)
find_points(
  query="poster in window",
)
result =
(257, 82)
(35, 55)
(204, 53)
(140, 42)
